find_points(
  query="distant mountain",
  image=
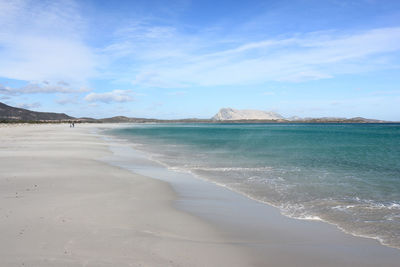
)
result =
(230, 114)
(8, 113)
(225, 115)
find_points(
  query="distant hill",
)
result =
(230, 115)
(8, 113)
(118, 119)
(334, 120)
(227, 114)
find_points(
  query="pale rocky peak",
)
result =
(245, 114)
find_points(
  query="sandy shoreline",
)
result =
(62, 205)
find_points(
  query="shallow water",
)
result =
(346, 174)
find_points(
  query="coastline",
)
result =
(235, 214)
(83, 211)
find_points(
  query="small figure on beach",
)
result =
(73, 124)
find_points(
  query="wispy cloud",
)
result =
(44, 40)
(165, 57)
(51, 44)
(44, 87)
(109, 97)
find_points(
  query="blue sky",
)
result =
(179, 59)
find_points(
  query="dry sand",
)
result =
(60, 206)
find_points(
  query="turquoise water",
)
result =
(345, 174)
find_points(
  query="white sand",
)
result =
(60, 206)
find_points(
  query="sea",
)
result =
(344, 174)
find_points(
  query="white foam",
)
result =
(227, 169)
(394, 206)
(343, 207)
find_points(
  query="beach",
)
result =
(61, 206)
(77, 197)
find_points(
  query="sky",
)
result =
(186, 59)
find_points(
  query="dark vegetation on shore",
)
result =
(10, 114)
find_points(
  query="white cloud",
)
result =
(46, 40)
(45, 87)
(43, 40)
(170, 59)
(108, 97)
